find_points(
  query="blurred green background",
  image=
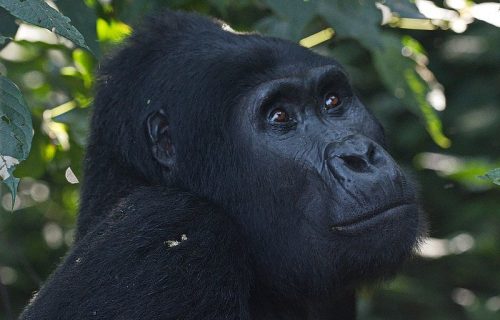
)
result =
(430, 71)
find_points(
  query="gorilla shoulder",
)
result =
(152, 248)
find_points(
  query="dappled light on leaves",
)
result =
(8, 275)
(30, 193)
(493, 303)
(53, 235)
(8, 204)
(467, 171)
(458, 17)
(463, 297)
(437, 248)
(33, 79)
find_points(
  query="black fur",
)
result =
(195, 205)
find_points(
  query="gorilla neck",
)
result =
(342, 306)
(105, 183)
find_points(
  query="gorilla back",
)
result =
(229, 176)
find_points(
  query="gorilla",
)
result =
(229, 176)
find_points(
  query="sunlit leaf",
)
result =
(113, 31)
(413, 44)
(463, 170)
(432, 121)
(400, 77)
(84, 63)
(39, 13)
(469, 173)
(16, 132)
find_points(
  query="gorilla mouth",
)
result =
(372, 218)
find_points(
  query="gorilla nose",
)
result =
(364, 170)
(354, 153)
(354, 162)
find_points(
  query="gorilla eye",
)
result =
(279, 116)
(332, 101)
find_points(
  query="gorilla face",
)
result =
(316, 122)
(331, 202)
(274, 134)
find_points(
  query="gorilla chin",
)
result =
(229, 176)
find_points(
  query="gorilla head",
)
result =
(268, 131)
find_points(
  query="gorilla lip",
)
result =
(373, 217)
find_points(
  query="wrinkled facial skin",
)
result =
(340, 141)
(338, 206)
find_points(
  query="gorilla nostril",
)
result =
(354, 163)
(371, 153)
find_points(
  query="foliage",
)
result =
(39, 13)
(390, 65)
(15, 132)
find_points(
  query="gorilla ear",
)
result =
(162, 147)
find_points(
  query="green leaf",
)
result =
(493, 176)
(16, 132)
(8, 27)
(39, 13)
(291, 17)
(399, 75)
(83, 18)
(358, 20)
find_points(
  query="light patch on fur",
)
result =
(174, 243)
(224, 26)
